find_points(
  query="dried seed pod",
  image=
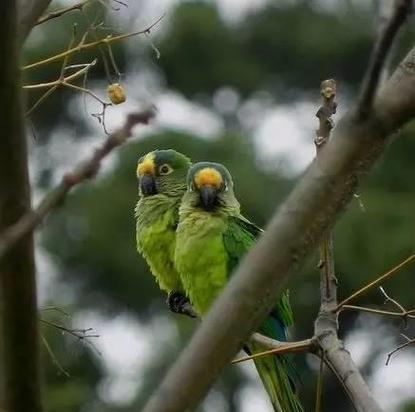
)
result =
(116, 93)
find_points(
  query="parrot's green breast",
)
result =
(156, 241)
(201, 258)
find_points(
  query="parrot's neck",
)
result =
(152, 208)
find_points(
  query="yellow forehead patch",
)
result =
(147, 166)
(208, 177)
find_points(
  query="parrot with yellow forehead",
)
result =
(212, 237)
(162, 182)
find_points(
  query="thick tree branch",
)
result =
(29, 13)
(382, 48)
(298, 225)
(27, 223)
(18, 311)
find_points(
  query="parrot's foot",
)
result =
(179, 303)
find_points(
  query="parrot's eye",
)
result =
(165, 169)
(226, 187)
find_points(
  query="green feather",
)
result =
(157, 218)
(209, 245)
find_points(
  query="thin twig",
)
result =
(280, 348)
(319, 389)
(85, 46)
(389, 299)
(408, 342)
(81, 335)
(382, 47)
(40, 100)
(407, 314)
(84, 171)
(57, 13)
(87, 91)
(53, 356)
(66, 79)
(378, 280)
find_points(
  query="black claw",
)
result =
(179, 303)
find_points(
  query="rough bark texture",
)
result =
(296, 228)
(18, 313)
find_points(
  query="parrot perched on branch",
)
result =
(212, 237)
(162, 183)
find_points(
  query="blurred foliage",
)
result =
(268, 50)
(286, 49)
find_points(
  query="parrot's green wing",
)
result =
(276, 373)
(239, 237)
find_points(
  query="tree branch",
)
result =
(298, 225)
(401, 10)
(18, 306)
(27, 223)
(86, 46)
(326, 324)
(409, 341)
(377, 281)
(57, 13)
(277, 347)
(29, 13)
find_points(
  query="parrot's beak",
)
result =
(208, 196)
(148, 185)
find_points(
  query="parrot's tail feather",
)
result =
(275, 376)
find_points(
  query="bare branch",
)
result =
(403, 315)
(326, 325)
(29, 13)
(85, 46)
(57, 13)
(20, 383)
(382, 47)
(66, 79)
(84, 171)
(278, 347)
(389, 299)
(377, 281)
(408, 342)
(328, 108)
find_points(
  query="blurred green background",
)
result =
(236, 82)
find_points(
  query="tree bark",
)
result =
(296, 228)
(18, 311)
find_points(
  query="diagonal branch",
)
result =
(409, 341)
(277, 347)
(377, 281)
(29, 13)
(382, 48)
(27, 223)
(57, 13)
(86, 46)
(297, 226)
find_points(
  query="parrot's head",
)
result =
(162, 172)
(210, 187)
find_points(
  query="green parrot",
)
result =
(212, 236)
(162, 183)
